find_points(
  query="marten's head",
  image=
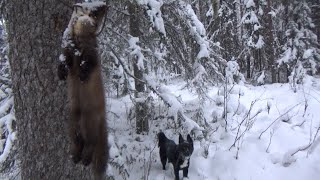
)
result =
(88, 20)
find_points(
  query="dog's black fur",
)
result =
(179, 155)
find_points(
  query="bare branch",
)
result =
(125, 68)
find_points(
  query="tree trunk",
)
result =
(215, 8)
(315, 7)
(35, 31)
(140, 105)
(248, 67)
(269, 43)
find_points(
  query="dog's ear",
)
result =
(180, 139)
(189, 139)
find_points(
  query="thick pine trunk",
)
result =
(34, 33)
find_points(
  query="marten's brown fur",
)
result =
(82, 69)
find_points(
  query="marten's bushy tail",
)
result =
(101, 155)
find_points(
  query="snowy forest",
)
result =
(240, 76)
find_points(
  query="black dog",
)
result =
(178, 155)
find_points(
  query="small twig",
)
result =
(271, 135)
(310, 137)
(305, 104)
(314, 96)
(242, 121)
(225, 99)
(117, 116)
(299, 124)
(303, 148)
(150, 160)
(278, 119)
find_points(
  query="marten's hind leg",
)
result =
(89, 132)
(76, 137)
(101, 154)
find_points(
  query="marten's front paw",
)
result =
(76, 149)
(76, 158)
(86, 161)
(84, 71)
(83, 76)
(62, 71)
(87, 156)
(76, 153)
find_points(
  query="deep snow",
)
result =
(257, 159)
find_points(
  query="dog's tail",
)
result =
(162, 139)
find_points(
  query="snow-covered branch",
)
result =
(153, 10)
(175, 107)
(135, 50)
(196, 28)
(206, 52)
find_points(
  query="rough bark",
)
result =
(34, 33)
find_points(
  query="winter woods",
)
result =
(153, 53)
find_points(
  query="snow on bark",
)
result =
(136, 51)
(233, 74)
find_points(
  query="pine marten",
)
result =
(81, 68)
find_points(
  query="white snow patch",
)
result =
(276, 163)
(261, 78)
(136, 51)
(250, 3)
(272, 13)
(307, 53)
(286, 57)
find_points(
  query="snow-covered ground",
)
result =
(288, 121)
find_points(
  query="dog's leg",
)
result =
(163, 157)
(176, 172)
(185, 171)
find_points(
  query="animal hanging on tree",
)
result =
(80, 66)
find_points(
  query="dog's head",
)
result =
(185, 147)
